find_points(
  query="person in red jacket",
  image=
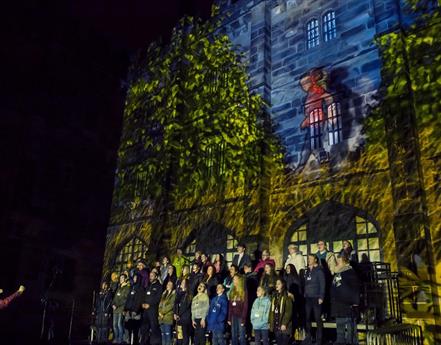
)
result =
(266, 259)
(4, 303)
(237, 311)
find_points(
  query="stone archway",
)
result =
(211, 238)
(334, 222)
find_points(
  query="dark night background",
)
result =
(64, 63)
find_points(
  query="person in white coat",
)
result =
(295, 258)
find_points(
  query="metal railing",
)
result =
(380, 300)
(398, 334)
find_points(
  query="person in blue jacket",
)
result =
(260, 317)
(217, 315)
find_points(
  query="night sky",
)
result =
(67, 48)
(62, 74)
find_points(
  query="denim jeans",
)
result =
(261, 335)
(237, 332)
(346, 330)
(166, 334)
(218, 338)
(118, 327)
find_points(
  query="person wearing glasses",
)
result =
(266, 259)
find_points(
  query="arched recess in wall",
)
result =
(130, 251)
(211, 238)
(333, 223)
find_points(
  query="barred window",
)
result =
(334, 123)
(228, 251)
(133, 250)
(299, 237)
(313, 33)
(231, 249)
(315, 118)
(329, 26)
(364, 239)
(367, 240)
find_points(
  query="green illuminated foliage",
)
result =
(191, 125)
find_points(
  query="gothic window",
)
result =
(315, 117)
(228, 250)
(134, 249)
(190, 250)
(363, 236)
(231, 249)
(329, 26)
(334, 123)
(313, 34)
(367, 240)
(299, 238)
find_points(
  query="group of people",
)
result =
(203, 299)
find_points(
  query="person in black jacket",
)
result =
(182, 313)
(315, 285)
(171, 276)
(133, 309)
(150, 331)
(294, 289)
(210, 280)
(102, 312)
(196, 277)
(241, 258)
(251, 283)
(345, 297)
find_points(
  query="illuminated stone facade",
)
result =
(318, 67)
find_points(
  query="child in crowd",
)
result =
(237, 311)
(260, 317)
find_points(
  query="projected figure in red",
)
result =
(316, 104)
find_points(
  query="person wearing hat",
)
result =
(241, 257)
(345, 297)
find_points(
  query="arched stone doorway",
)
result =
(212, 238)
(333, 223)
